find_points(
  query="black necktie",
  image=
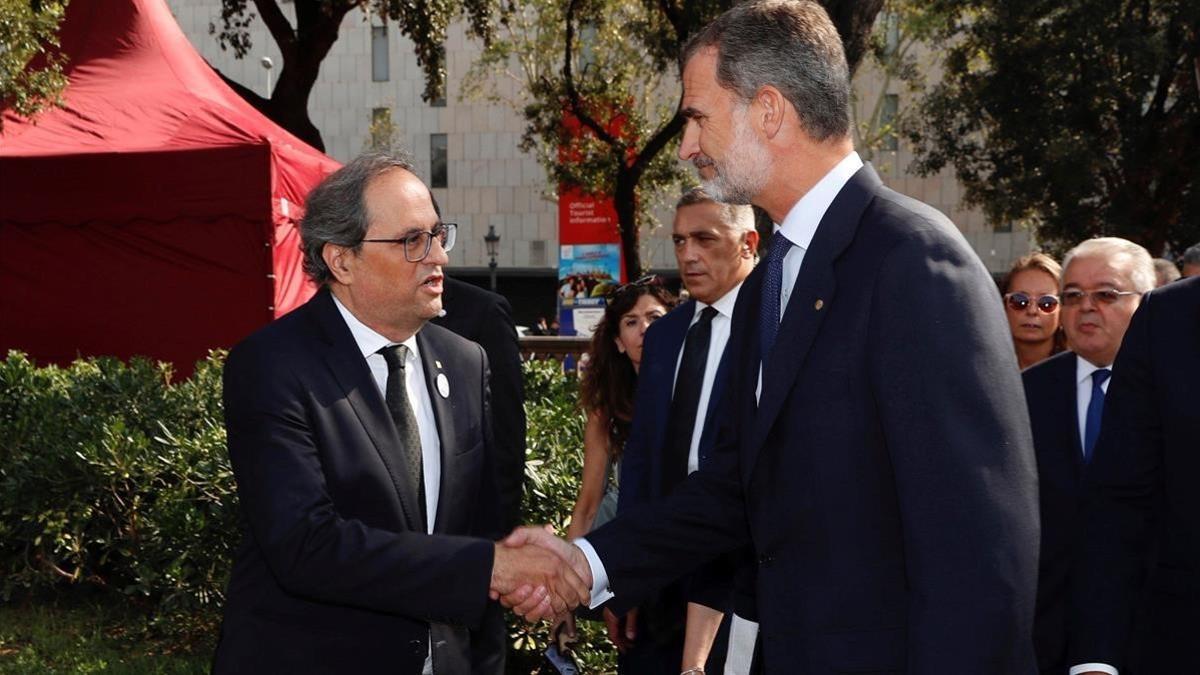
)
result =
(1095, 412)
(681, 421)
(406, 422)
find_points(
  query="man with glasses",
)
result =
(361, 441)
(1102, 283)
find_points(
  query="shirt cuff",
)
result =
(600, 590)
(1093, 667)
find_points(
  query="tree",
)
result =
(306, 41)
(31, 73)
(1076, 117)
(612, 65)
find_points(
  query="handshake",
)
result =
(538, 575)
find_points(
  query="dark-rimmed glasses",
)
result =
(1104, 296)
(1018, 301)
(416, 245)
(648, 280)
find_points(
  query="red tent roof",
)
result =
(155, 162)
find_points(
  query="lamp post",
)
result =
(267, 65)
(493, 241)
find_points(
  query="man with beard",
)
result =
(874, 445)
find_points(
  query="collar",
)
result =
(723, 305)
(801, 222)
(366, 338)
(1085, 368)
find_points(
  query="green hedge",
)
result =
(113, 477)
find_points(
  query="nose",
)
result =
(1031, 309)
(689, 146)
(437, 254)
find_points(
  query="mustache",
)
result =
(700, 162)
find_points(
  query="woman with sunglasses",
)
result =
(1031, 301)
(606, 393)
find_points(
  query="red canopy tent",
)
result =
(156, 213)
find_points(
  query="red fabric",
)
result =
(155, 214)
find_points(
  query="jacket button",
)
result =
(765, 560)
(418, 646)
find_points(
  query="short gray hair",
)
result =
(791, 45)
(1141, 269)
(336, 210)
(1166, 271)
(739, 217)
(1191, 256)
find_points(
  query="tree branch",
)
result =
(573, 100)
(281, 29)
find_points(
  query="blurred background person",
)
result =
(1103, 282)
(606, 394)
(1030, 291)
(1190, 261)
(1165, 272)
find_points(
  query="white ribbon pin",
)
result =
(443, 385)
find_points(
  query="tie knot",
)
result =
(395, 355)
(1099, 377)
(780, 245)
(707, 314)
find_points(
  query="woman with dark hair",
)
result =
(1030, 291)
(606, 394)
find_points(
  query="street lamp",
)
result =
(267, 65)
(493, 242)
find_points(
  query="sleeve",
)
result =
(312, 550)
(1121, 491)
(499, 339)
(956, 427)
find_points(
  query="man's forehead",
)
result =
(700, 76)
(1100, 268)
(705, 216)
(398, 194)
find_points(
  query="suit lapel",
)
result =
(350, 369)
(810, 301)
(1069, 412)
(433, 363)
(674, 332)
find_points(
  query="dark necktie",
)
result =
(398, 405)
(681, 421)
(1095, 412)
(768, 318)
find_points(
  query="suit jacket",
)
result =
(642, 461)
(1051, 391)
(1141, 504)
(485, 317)
(335, 572)
(887, 481)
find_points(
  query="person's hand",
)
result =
(564, 633)
(622, 631)
(524, 600)
(535, 582)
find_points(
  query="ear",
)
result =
(771, 107)
(620, 345)
(750, 244)
(340, 261)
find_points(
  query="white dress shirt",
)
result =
(721, 323)
(369, 343)
(799, 227)
(1083, 390)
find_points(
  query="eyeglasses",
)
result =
(1019, 301)
(648, 280)
(1104, 296)
(417, 244)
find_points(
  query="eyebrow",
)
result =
(690, 113)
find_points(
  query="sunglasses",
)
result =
(648, 280)
(1104, 296)
(1018, 302)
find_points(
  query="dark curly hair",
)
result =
(609, 382)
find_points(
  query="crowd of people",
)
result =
(839, 459)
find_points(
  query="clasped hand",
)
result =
(538, 575)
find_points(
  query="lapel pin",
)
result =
(443, 385)
(818, 304)
(438, 364)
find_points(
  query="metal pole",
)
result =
(492, 267)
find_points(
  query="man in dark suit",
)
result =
(874, 446)
(1141, 508)
(682, 378)
(1102, 283)
(361, 442)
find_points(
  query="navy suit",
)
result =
(1141, 505)
(887, 481)
(335, 572)
(1051, 391)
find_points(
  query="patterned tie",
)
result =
(685, 402)
(768, 318)
(406, 422)
(1095, 412)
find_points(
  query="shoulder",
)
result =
(673, 323)
(470, 294)
(1054, 371)
(449, 343)
(278, 343)
(1178, 296)
(906, 226)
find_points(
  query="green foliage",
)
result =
(27, 29)
(1077, 117)
(115, 479)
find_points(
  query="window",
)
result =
(440, 101)
(379, 54)
(437, 161)
(891, 22)
(887, 121)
